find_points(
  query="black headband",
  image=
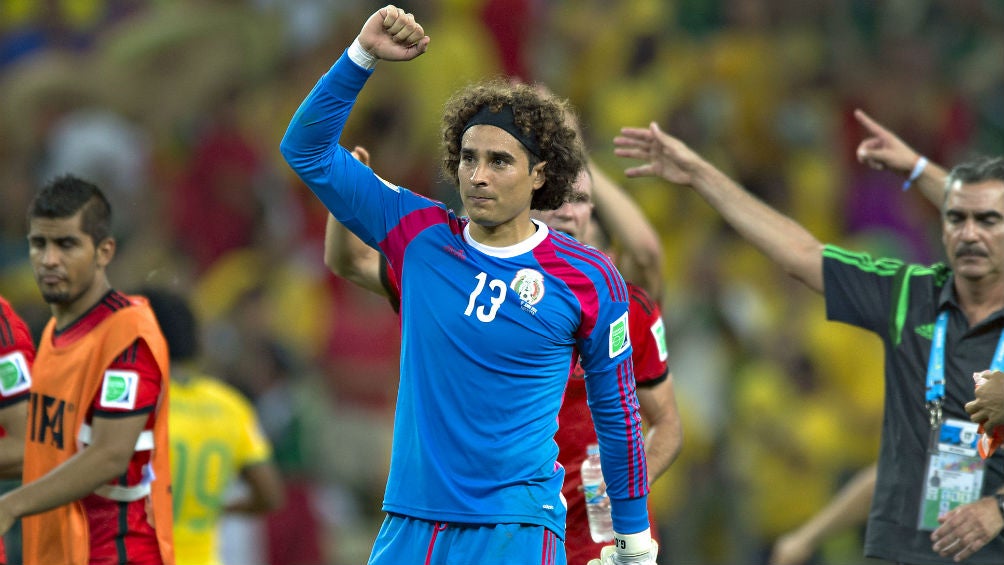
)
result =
(506, 120)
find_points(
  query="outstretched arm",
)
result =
(310, 145)
(883, 149)
(848, 508)
(779, 237)
(639, 249)
(639, 255)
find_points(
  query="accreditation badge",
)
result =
(954, 473)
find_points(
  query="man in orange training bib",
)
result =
(96, 470)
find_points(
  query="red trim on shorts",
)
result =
(550, 542)
(439, 527)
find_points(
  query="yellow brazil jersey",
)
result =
(214, 434)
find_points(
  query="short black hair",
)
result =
(177, 322)
(64, 196)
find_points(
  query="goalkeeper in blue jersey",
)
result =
(495, 309)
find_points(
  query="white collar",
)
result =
(510, 250)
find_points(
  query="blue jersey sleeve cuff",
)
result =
(345, 78)
(630, 515)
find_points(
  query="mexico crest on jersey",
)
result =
(529, 286)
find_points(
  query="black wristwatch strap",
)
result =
(1000, 502)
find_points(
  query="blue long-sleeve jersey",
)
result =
(489, 336)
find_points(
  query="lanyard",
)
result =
(936, 363)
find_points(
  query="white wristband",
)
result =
(362, 57)
(918, 169)
(633, 544)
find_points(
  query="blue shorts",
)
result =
(410, 541)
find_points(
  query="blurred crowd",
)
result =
(176, 108)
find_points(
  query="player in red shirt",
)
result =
(17, 353)
(596, 197)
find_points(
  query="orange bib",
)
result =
(66, 380)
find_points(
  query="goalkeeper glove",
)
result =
(631, 549)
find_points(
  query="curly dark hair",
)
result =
(539, 116)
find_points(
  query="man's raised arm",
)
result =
(779, 237)
(884, 150)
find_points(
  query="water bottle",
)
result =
(601, 527)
